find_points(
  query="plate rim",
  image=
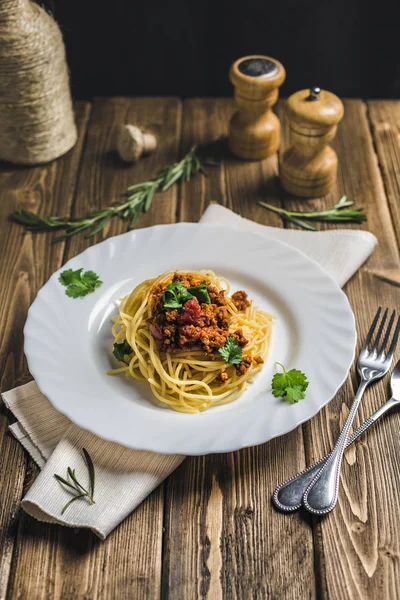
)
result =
(233, 227)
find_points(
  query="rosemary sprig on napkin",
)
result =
(340, 213)
(137, 200)
(74, 487)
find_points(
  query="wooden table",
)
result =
(210, 531)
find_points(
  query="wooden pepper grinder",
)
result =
(254, 131)
(309, 166)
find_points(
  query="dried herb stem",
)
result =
(340, 213)
(137, 200)
(74, 487)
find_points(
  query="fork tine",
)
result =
(380, 330)
(371, 329)
(387, 334)
(394, 340)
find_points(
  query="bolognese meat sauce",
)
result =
(197, 324)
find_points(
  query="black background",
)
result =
(185, 47)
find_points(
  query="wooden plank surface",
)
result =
(222, 538)
(220, 504)
(384, 118)
(356, 543)
(54, 562)
(26, 264)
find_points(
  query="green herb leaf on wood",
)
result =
(339, 213)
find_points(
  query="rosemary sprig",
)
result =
(137, 200)
(340, 213)
(74, 487)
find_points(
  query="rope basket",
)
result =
(36, 118)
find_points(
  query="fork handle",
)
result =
(321, 494)
(288, 495)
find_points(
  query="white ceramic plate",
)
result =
(68, 342)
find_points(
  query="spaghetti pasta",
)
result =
(176, 350)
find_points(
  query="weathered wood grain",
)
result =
(26, 263)
(53, 562)
(104, 178)
(223, 539)
(358, 544)
(384, 118)
(206, 123)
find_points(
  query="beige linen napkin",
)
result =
(124, 477)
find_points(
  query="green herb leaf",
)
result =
(121, 349)
(290, 385)
(171, 301)
(91, 280)
(149, 199)
(64, 481)
(201, 293)
(32, 222)
(76, 489)
(99, 225)
(68, 276)
(72, 475)
(231, 352)
(78, 497)
(79, 284)
(176, 295)
(91, 471)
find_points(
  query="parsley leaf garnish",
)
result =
(201, 293)
(79, 284)
(176, 295)
(290, 385)
(231, 352)
(121, 349)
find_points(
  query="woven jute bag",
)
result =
(36, 117)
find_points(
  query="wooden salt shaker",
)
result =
(254, 131)
(309, 166)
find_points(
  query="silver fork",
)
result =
(288, 495)
(321, 494)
